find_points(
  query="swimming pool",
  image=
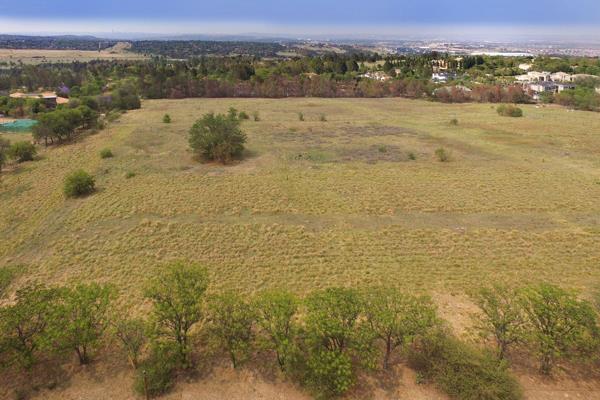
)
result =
(20, 125)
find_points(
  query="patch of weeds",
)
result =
(442, 155)
(130, 174)
(454, 122)
(106, 153)
(411, 156)
(322, 118)
(382, 148)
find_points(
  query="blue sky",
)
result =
(293, 15)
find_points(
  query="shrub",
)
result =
(382, 148)
(462, 371)
(412, 156)
(167, 119)
(106, 153)
(454, 122)
(78, 184)
(243, 115)
(22, 151)
(256, 116)
(217, 137)
(508, 110)
(442, 155)
(558, 323)
(156, 375)
(300, 116)
(130, 174)
(322, 118)
(4, 146)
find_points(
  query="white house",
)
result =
(561, 77)
(442, 77)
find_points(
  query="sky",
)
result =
(304, 17)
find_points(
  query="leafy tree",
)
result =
(335, 340)
(501, 316)
(24, 324)
(275, 317)
(22, 151)
(177, 296)
(78, 183)
(558, 322)
(231, 319)
(81, 318)
(217, 137)
(132, 335)
(396, 318)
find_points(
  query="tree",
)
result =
(501, 316)
(397, 318)
(217, 137)
(81, 318)
(275, 317)
(558, 322)
(78, 183)
(4, 145)
(23, 325)
(335, 339)
(22, 151)
(231, 319)
(131, 334)
(177, 296)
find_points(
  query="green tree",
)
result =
(275, 316)
(396, 318)
(501, 316)
(22, 151)
(177, 296)
(132, 336)
(231, 321)
(23, 325)
(558, 322)
(79, 183)
(80, 319)
(335, 338)
(217, 137)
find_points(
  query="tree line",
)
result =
(325, 341)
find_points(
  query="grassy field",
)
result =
(316, 204)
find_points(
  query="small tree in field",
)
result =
(78, 184)
(23, 325)
(501, 316)
(397, 318)
(177, 296)
(218, 137)
(231, 319)
(275, 317)
(22, 151)
(81, 318)
(558, 322)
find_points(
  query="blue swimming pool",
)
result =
(20, 125)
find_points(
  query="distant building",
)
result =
(49, 98)
(378, 76)
(442, 77)
(538, 88)
(525, 67)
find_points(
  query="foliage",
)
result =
(462, 371)
(7, 274)
(156, 375)
(22, 151)
(397, 318)
(79, 183)
(501, 316)
(335, 339)
(132, 336)
(275, 312)
(442, 155)
(80, 319)
(4, 146)
(177, 296)
(454, 122)
(23, 325)
(166, 119)
(106, 153)
(508, 110)
(217, 137)
(231, 319)
(558, 323)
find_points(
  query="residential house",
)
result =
(442, 77)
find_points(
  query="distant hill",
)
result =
(65, 42)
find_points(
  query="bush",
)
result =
(256, 116)
(167, 119)
(156, 375)
(508, 110)
(130, 174)
(442, 155)
(106, 153)
(300, 116)
(78, 184)
(322, 118)
(412, 156)
(243, 115)
(461, 371)
(454, 122)
(217, 137)
(22, 151)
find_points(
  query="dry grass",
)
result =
(316, 204)
(35, 56)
